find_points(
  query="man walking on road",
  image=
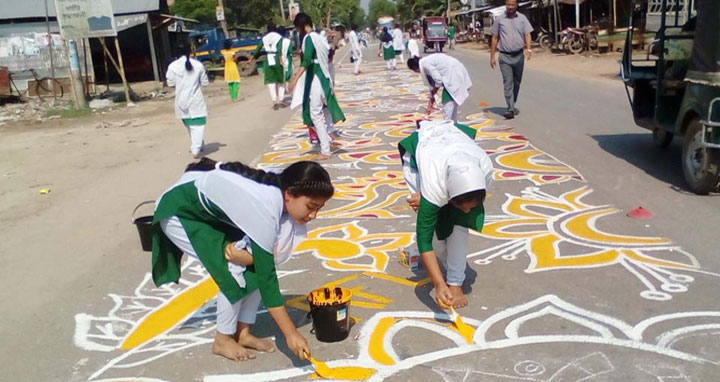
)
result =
(355, 51)
(511, 37)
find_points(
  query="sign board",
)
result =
(294, 9)
(85, 18)
(220, 13)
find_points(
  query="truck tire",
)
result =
(701, 165)
(245, 63)
(662, 138)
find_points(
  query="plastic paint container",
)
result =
(329, 312)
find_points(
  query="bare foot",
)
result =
(226, 346)
(323, 156)
(334, 147)
(458, 297)
(249, 341)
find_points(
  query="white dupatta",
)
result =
(321, 58)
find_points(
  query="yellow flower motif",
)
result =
(367, 200)
(349, 252)
(543, 226)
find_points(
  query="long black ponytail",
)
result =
(300, 179)
(186, 49)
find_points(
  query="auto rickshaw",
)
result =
(434, 33)
(676, 86)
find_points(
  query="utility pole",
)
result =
(220, 15)
(50, 47)
(282, 10)
(75, 76)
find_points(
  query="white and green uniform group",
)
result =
(314, 90)
(441, 161)
(205, 211)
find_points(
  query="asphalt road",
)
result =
(562, 285)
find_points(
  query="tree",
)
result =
(381, 8)
(254, 13)
(323, 12)
(200, 10)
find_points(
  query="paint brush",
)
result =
(465, 330)
(348, 373)
(321, 368)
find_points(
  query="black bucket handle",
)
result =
(132, 215)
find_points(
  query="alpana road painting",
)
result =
(547, 266)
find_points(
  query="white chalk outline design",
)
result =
(606, 330)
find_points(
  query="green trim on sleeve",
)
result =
(266, 277)
(427, 219)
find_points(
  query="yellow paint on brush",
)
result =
(167, 316)
(376, 349)
(464, 329)
(579, 226)
(345, 373)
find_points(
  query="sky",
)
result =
(365, 5)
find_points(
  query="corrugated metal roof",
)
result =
(10, 9)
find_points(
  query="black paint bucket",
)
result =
(329, 309)
(144, 227)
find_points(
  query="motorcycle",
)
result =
(544, 39)
(578, 40)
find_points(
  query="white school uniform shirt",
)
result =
(270, 42)
(413, 48)
(449, 163)
(189, 100)
(355, 44)
(448, 72)
(398, 39)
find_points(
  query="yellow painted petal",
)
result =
(495, 230)
(165, 317)
(634, 255)
(523, 160)
(582, 227)
(547, 256)
(331, 249)
(376, 349)
(519, 207)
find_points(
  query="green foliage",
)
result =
(254, 13)
(201, 10)
(324, 12)
(381, 8)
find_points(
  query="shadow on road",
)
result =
(640, 151)
(496, 110)
(265, 327)
(212, 147)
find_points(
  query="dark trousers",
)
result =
(511, 67)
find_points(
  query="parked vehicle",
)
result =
(676, 87)
(469, 35)
(544, 39)
(434, 33)
(578, 40)
(209, 45)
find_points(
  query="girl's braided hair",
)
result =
(300, 179)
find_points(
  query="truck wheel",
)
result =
(662, 138)
(245, 63)
(700, 164)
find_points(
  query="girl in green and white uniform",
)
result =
(447, 174)
(273, 70)
(239, 222)
(387, 48)
(314, 86)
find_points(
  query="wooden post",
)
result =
(107, 70)
(122, 74)
(153, 54)
(118, 67)
(75, 80)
